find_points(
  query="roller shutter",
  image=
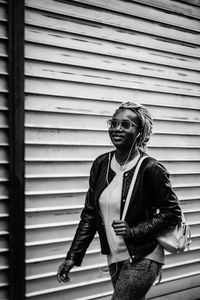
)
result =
(4, 178)
(82, 59)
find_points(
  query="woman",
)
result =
(133, 253)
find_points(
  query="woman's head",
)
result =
(139, 128)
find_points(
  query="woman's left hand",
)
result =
(121, 228)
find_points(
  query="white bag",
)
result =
(177, 239)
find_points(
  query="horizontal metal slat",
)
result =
(48, 233)
(4, 208)
(49, 86)
(39, 267)
(4, 243)
(112, 64)
(36, 152)
(149, 13)
(42, 252)
(4, 172)
(77, 278)
(55, 185)
(179, 140)
(3, 48)
(177, 7)
(193, 2)
(184, 294)
(190, 205)
(186, 180)
(3, 84)
(177, 123)
(178, 178)
(4, 293)
(108, 55)
(59, 73)
(66, 216)
(4, 188)
(3, 30)
(193, 218)
(59, 169)
(4, 260)
(53, 217)
(179, 258)
(58, 153)
(3, 67)
(174, 286)
(140, 11)
(177, 126)
(57, 201)
(113, 19)
(175, 113)
(45, 235)
(3, 136)
(182, 167)
(3, 119)
(3, 154)
(66, 137)
(105, 101)
(187, 192)
(43, 136)
(3, 13)
(76, 168)
(90, 288)
(185, 269)
(64, 121)
(4, 277)
(4, 102)
(4, 225)
(86, 40)
(185, 153)
(47, 202)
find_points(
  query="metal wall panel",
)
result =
(82, 59)
(4, 178)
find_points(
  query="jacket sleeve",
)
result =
(165, 201)
(87, 226)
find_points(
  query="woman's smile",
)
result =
(117, 137)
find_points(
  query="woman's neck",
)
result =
(123, 157)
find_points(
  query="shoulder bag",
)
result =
(178, 239)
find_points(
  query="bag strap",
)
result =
(132, 187)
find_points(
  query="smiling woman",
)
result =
(127, 237)
(130, 127)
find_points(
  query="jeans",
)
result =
(131, 281)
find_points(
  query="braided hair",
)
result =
(146, 122)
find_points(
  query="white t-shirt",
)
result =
(110, 202)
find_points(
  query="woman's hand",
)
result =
(63, 271)
(121, 228)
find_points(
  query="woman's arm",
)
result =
(87, 226)
(165, 200)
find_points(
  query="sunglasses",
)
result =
(124, 124)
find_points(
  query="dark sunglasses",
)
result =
(124, 124)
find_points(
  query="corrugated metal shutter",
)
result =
(82, 59)
(4, 214)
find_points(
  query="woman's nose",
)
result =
(118, 127)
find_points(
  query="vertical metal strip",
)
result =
(16, 149)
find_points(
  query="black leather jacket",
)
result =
(152, 191)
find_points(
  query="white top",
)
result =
(110, 202)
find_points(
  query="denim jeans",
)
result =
(131, 281)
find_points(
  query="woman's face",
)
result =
(121, 137)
